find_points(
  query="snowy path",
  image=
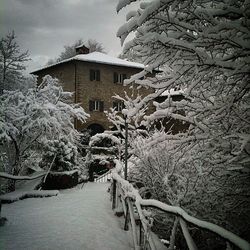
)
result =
(75, 219)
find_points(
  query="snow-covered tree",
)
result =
(197, 47)
(29, 120)
(202, 48)
(119, 118)
(61, 153)
(12, 61)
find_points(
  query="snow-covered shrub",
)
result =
(104, 140)
(213, 195)
(85, 136)
(61, 153)
(103, 149)
(83, 168)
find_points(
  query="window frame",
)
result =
(118, 105)
(95, 75)
(96, 105)
(119, 77)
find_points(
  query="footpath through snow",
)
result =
(75, 219)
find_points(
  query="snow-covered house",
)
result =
(94, 78)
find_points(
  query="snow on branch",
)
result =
(123, 3)
(202, 48)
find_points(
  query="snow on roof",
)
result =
(98, 57)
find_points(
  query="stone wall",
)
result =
(76, 74)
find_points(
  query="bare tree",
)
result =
(93, 46)
(69, 50)
(12, 61)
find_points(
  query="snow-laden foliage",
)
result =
(65, 153)
(28, 120)
(104, 147)
(98, 140)
(202, 48)
(119, 118)
(215, 195)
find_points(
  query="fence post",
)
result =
(132, 219)
(141, 234)
(126, 216)
(123, 204)
(114, 195)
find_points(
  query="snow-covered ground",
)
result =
(75, 219)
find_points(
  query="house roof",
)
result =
(98, 57)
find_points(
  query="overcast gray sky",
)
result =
(45, 26)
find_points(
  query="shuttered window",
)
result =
(96, 105)
(94, 75)
(118, 106)
(119, 78)
(115, 77)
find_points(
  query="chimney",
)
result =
(81, 49)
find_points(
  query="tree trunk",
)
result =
(11, 185)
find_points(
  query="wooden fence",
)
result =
(127, 200)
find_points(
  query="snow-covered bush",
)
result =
(104, 147)
(85, 136)
(104, 140)
(29, 119)
(64, 152)
(206, 193)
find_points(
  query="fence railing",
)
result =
(104, 177)
(126, 200)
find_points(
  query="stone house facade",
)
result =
(94, 78)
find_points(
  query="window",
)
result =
(118, 106)
(94, 75)
(119, 78)
(96, 105)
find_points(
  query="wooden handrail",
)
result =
(126, 193)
